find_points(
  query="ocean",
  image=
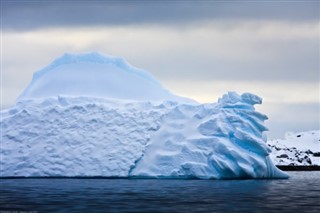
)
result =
(299, 193)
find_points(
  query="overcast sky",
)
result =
(199, 49)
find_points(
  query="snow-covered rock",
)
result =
(50, 132)
(297, 149)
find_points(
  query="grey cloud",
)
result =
(28, 15)
(298, 65)
(291, 117)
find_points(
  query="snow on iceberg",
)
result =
(96, 75)
(117, 132)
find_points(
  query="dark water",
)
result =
(300, 193)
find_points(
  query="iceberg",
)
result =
(96, 75)
(95, 115)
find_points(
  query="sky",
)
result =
(198, 49)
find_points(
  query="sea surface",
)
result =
(300, 193)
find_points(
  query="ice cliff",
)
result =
(95, 115)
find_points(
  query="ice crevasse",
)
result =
(115, 131)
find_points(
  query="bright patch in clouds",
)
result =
(274, 92)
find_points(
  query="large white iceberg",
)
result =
(95, 115)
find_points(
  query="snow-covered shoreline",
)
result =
(297, 149)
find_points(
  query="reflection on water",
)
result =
(300, 193)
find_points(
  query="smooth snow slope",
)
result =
(96, 75)
(106, 133)
(297, 149)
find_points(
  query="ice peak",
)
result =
(94, 57)
(90, 57)
(94, 74)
